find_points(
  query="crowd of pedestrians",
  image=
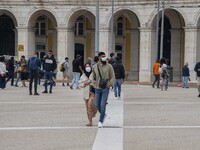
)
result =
(95, 77)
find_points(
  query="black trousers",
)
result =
(157, 79)
(33, 77)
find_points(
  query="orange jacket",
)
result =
(156, 69)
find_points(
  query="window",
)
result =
(80, 26)
(118, 48)
(120, 26)
(40, 26)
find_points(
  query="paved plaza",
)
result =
(143, 119)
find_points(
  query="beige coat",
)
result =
(86, 89)
(106, 71)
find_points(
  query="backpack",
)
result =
(62, 68)
(33, 64)
(164, 73)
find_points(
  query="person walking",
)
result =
(103, 79)
(34, 66)
(156, 73)
(77, 70)
(49, 66)
(119, 77)
(24, 70)
(185, 75)
(3, 73)
(112, 59)
(11, 70)
(197, 69)
(88, 94)
(65, 71)
(18, 73)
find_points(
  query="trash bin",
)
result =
(170, 72)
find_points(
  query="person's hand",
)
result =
(86, 83)
(122, 81)
(198, 69)
(95, 82)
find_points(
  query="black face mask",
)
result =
(103, 62)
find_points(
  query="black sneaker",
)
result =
(45, 92)
(36, 93)
(199, 95)
(50, 92)
(68, 84)
(30, 94)
(71, 87)
(63, 84)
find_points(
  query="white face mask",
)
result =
(103, 59)
(88, 69)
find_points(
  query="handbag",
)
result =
(102, 82)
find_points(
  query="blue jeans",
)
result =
(117, 87)
(18, 77)
(48, 76)
(76, 76)
(185, 82)
(101, 97)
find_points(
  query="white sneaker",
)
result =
(100, 125)
(116, 98)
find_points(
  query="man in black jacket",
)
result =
(197, 69)
(185, 75)
(49, 66)
(119, 77)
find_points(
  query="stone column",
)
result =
(23, 40)
(190, 50)
(31, 42)
(176, 51)
(104, 41)
(145, 55)
(61, 48)
(70, 45)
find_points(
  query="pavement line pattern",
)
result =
(42, 103)
(163, 103)
(111, 136)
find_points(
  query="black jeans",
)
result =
(11, 75)
(33, 76)
(157, 79)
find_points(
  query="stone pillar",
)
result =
(104, 41)
(70, 45)
(145, 55)
(31, 42)
(61, 48)
(176, 51)
(23, 40)
(190, 50)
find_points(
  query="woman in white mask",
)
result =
(88, 92)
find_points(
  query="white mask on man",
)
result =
(88, 69)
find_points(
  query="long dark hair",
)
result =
(87, 73)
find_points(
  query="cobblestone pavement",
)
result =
(143, 119)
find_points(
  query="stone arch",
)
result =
(10, 14)
(177, 39)
(8, 32)
(49, 38)
(127, 44)
(41, 11)
(87, 39)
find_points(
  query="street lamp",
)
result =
(97, 29)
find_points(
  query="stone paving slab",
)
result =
(67, 139)
(161, 139)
